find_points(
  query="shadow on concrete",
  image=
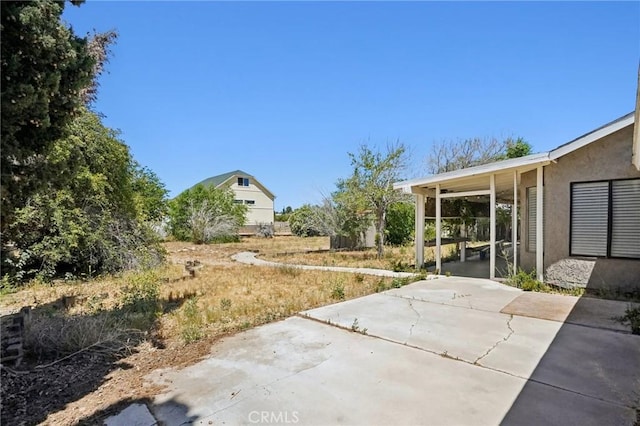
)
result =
(47, 380)
(116, 409)
(474, 267)
(589, 374)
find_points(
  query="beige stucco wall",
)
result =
(262, 210)
(608, 158)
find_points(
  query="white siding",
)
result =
(262, 210)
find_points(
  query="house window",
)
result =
(605, 218)
(243, 181)
(250, 202)
(237, 201)
(531, 218)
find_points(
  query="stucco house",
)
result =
(579, 207)
(249, 191)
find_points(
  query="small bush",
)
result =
(400, 282)
(289, 270)
(50, 335)
(632, 317)
(399, 266)
(526, 281)
(142, 293)
(380, 286)
(225, 304)
(337, 292)
(191, 322)
(265, 230)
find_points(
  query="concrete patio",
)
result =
(449, 351)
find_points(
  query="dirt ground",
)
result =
(88, 387)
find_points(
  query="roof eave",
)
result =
(484, 169)
(591, 137)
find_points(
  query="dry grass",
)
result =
(393, 257)
(221, 253)
(224, 296)
(236, 297)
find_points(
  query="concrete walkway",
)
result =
(251, 259)
(449, 351)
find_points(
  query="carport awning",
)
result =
(493, 182)
(476, 178)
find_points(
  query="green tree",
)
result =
(205, 207)
(517, 148)
(400, 222)
(150, 194)
(44, 68)
(89, 218)
(371, 185)
(301, 221)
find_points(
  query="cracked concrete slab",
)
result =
(587, 311)
(457, 332)
(479, 294)
(401, 367)
(590, 361)
(330, 376)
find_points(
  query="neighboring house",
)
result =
(588, 194)
(248, 191)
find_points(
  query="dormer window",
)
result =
(243, 181)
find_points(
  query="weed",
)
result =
(142, 293)
(7, 286)
(358, 278)
(399, 266)
(191, 322)
(225, 304)
(55, 335)
(355, 327)
(290, 270)
(337, 292)
(380, 286)
(632, 317)
(526, 281)
(400, 282)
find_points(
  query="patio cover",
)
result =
(497, 182)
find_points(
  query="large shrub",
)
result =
(400, 223)
(90, 217)
(205, 213)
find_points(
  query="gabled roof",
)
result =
(592, 136)
(220, 180)
(521, 163)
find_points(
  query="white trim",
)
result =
(541, 159)
(591, 137)
(463, 244)
(514, 222)
(498, 166)
(465, 193)
(419, 234)
(492, 228)
(438, 230)
(539, 223)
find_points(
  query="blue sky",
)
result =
(284, 90)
